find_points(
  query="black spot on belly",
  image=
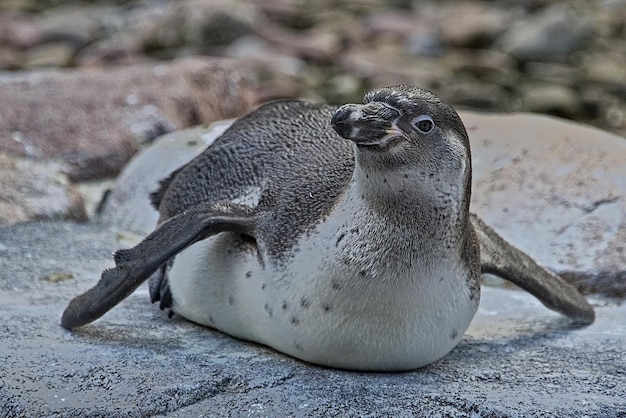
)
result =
(211, 320)
(326, 307)
(335, 285)
(263, 286)
(295, 320)
(231, 300)
(297, 346)
(248, 275)
(454, 334)
(269, 310)
(339, 238)
(304, 302)
(284, 305)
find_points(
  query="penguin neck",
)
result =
(406, 194)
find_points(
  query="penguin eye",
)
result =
(423, 123)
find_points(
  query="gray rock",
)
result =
(552, 99)
(127, 206)
(32, 190)
(555, 189)
(94, 120)
(517, 359)
(553, 34)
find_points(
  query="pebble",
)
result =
(554, 33)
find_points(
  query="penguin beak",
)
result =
(369, 125)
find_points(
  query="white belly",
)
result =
(322, 308)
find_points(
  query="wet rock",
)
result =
(35, 190)
(555, 189)
(553, 34)
(95, 120)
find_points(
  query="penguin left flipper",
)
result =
(135, 265)
(500, 258)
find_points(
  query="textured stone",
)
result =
(127, 205)
(31, 190)
(517, 359)
(555, 189)
(94, 120)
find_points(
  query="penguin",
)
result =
(341, 237)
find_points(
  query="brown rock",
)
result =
(387, 66)
(49, 54)
(470, 24)
(94, 120)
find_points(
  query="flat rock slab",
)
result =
(518, 359)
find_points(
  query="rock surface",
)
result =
(95, 120)
(127, 205)
(556, 190)
(37, 190)
(517, 359)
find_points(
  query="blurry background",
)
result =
(563, 58)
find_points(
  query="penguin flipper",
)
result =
(502, 259)
(135, 265)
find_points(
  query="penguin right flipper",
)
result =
(135, 265)
(499, 257)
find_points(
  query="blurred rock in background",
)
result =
(562, 58)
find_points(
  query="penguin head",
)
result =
(410, 133)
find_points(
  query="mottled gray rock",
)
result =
(556, 190)
(127, 205)
(94, 120)
(32, 190)
(517, 359)
(553, 34)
